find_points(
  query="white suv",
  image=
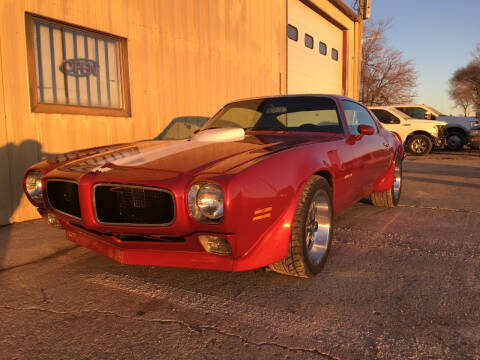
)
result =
(458, 127)
(418, 136)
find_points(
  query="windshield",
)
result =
(296, 113)
(435, 111)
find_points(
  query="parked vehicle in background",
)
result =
(418, 136)
(257, 186)
(458, 128)
(474, 140)
(181, 128)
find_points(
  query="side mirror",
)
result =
(429, 116)
(365, 130)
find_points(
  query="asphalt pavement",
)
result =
(400, 283)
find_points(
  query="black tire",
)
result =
(419, 145)
(455, 141)
(390, 197)
(303, 259)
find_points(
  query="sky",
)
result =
(439, 35)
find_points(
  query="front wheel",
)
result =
(455, 141)
(390, 197)
(311, 231)
(419, 145)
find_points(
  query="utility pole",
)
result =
(364, 8)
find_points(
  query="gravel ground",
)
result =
(399, 283)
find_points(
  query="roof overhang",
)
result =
(340, 5)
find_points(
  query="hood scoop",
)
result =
(219, 135)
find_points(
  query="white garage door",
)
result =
(315, 59)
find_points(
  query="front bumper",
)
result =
(474, 141)
(440, 142)
(187, 254)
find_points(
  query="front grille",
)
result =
(133, 205)
(441, 131)
(63, 196)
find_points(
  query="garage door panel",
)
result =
(308, 70)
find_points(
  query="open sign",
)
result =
(80, 67)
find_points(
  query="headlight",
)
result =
(33, 185)
(205, 202)
(473, 123)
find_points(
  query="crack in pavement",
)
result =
(252, 314)
(434, 208)
(348, 235)
(258, 316)
(48, 257)
(192, 328)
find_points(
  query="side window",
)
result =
(309, 41)
(322, 48)
(335, 54)
(292, 32)
(357, 115)
(414, 112)
(386, 117)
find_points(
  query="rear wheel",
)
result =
(419, 145)
(311, 231)
(390, 197)
(455, 141)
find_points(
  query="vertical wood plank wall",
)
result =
(186, 58)
(5, 195)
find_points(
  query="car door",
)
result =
(372, 154)
(391, 122)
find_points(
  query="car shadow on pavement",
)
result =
(442, 169)
(442, 182)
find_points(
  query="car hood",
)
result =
(426, 122)
(467, 121)
(184, 156)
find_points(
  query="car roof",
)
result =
(333, 96)
(380, 107)
(392, 109)
(408, 105)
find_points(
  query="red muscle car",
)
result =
(257, 186)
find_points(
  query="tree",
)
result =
(385, 77)
(466, 81)
(462, 95)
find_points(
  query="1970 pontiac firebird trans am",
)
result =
(257, 186)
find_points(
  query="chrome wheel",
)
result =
(397, 179)
(419, 146)
(317, 227)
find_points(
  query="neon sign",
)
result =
(80, 67)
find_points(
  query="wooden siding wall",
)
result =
(186, 58)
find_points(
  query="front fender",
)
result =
(273, 244)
